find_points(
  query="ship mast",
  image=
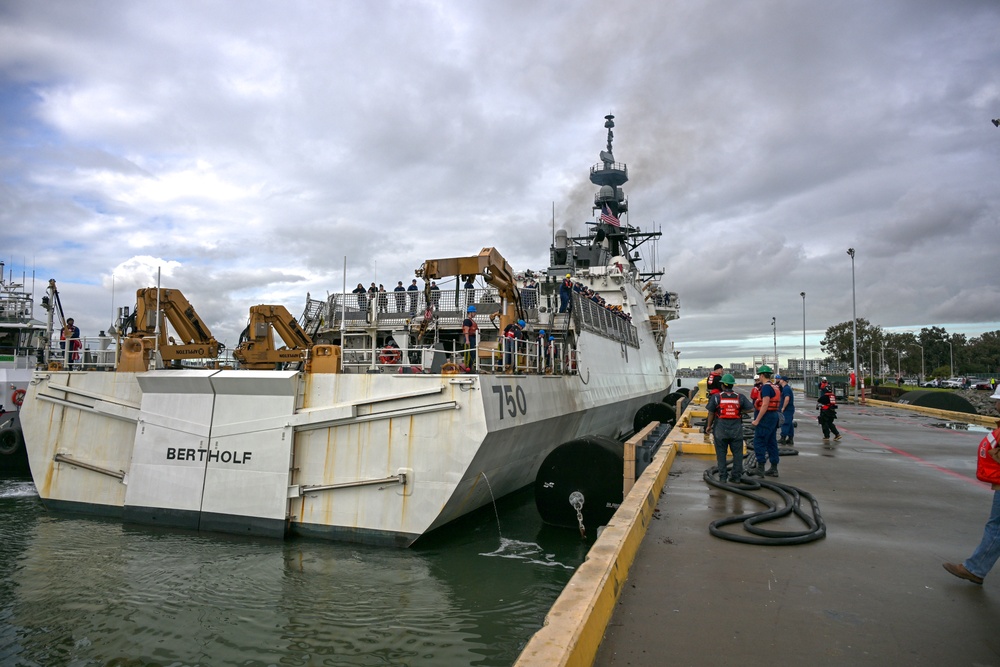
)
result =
(610, 200)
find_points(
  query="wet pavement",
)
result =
(899, 497)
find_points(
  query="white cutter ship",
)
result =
(373, 423)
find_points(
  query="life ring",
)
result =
(17, 397)
(450, 369)
(390, 355)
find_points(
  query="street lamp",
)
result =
(805, 385)
(774, 330)
(951, 357)
(854, 322)
(921, 361)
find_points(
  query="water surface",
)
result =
(84, 591)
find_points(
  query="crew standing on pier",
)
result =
(715, 380)
(827, 405)
(787, 411)
(725, 412)
(765, 422)
(982, 560)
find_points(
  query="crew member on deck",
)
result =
(565, 290)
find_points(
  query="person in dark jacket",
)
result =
(827, 405)
(725, 423)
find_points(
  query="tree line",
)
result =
(889, 353)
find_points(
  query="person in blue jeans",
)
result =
(765, 423)
(978, 565)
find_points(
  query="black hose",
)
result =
(790, 495)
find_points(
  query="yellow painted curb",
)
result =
(575, 625)
(980, 420)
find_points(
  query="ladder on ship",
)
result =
(312, 316)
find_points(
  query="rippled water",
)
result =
(83, 591)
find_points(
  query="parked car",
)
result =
(982, 384)
(953, 383)
(931, 383)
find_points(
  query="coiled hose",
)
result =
(792, 499)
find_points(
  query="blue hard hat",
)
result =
(541, 332)
(520, 323)
(552, 337)
(472, 309)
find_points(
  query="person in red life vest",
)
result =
(978, 565)
(72, 332)
(827, 406)
(755, 393)
(765, 423)
(469, 329)
(715, 380)
(823, 384)
(512, 333)
(565, 290)
(725, 414)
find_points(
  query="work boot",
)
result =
(772, 471)
(757, 471)
(790, 442)
(838, 437)
(781, 440)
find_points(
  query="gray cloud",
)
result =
(257, 144)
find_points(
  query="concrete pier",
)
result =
(899, 496)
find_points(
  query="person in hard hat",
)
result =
(978, 565)
(823, 384)
(765, 423)
(714, 382)
(725, 423)
(787, 411)
(565, 290)
(469, 330)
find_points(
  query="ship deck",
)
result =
(899, 497)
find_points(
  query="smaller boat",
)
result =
(22, 341)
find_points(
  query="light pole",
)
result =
(854, 322)
(774, 330)
(951, 357)
(805, 385)
(921, 361)
(899, 371)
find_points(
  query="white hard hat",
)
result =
(996, 394)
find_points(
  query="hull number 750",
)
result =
(511, 400)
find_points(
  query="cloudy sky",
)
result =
(245, 148)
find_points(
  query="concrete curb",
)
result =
(980, 420)
(575, 625)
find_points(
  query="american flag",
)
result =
(609, 217)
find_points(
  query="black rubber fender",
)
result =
(684, 390)
(592, 466)
(653, 412)
(672, 398)
(10, 441)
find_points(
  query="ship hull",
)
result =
(373, 458)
